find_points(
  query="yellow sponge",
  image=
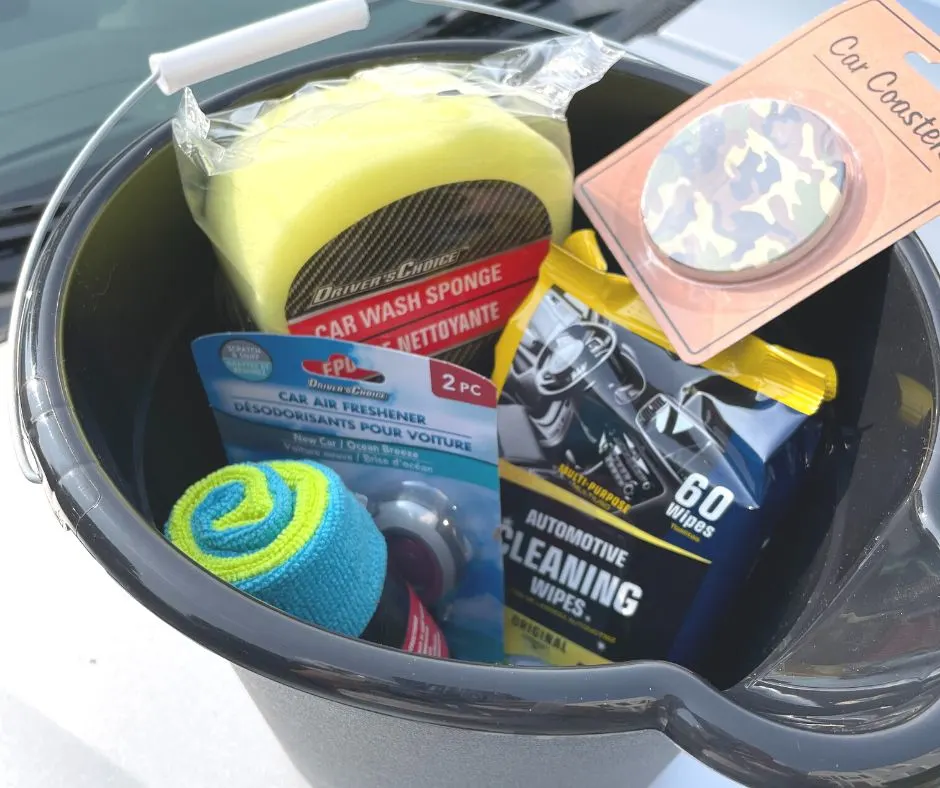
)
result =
(318, 163)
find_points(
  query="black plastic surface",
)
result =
(121, 426)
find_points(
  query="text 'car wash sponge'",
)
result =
(347, 188)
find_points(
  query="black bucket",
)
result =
(800, 687)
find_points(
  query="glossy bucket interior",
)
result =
(142, 285)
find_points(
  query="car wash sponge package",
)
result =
(637, 490)
(373, 208)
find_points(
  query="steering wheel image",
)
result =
(571, 355)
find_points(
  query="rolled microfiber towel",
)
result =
(290, 534)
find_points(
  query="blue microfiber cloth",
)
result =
(290, 534)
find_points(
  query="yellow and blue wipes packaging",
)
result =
(637, 490)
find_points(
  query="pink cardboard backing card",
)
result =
(848, 67)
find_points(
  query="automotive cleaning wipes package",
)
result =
(637, 490)
(415, 438)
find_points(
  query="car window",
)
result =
(65, 64)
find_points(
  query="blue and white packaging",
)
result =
(414, 437)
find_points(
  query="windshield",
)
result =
(65, 64)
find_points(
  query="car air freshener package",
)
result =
(778, 179)
(637, 489)
(413, 438)
(408, 205)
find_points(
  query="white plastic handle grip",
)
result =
(253, 43)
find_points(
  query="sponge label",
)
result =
(436, 273)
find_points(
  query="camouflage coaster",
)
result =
(743, 186)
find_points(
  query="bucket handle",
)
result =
(213, 57)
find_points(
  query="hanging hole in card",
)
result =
(928, 68)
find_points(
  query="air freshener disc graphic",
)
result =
(745, 189)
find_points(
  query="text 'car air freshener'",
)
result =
(637, 490)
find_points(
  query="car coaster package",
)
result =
(413, 438)
(408, 205)
(637, 490)
(778, 179)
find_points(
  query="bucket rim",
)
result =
(500, 699)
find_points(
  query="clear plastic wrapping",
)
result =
(532, 82)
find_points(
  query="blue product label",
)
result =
(415, 437)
